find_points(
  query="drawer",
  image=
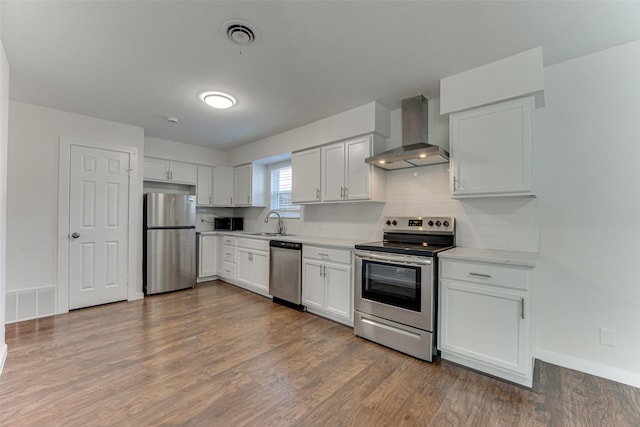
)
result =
(229, 270)
(327, 254)
(486, 273)
(229, 253)
(257, 244)
(229, 240)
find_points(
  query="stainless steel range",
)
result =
(396, 284)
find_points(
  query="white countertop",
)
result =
(523, 259)
(305, 240)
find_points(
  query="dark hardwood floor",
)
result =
(221, 356)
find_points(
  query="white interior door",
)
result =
(98, 226)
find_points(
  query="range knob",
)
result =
(438, 223)
(388, 222)
(430, 223)
(394, 222)
(445, 223)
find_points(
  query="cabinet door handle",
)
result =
(522, 307)
(231, 200)
(346, 193)
(484, 276)
(318, 193)
(454, 183)
(209, 199)
(248, 200)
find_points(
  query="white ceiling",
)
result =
(139, 62)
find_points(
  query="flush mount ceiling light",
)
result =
(239, 32)
(219, 100)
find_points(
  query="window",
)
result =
(281, 191)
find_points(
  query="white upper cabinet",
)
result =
(249, 185)
(204, 187)
(222, 186)
(169, 171)
(491, 150)
(345, 175)
(333, 172)
(305, 166)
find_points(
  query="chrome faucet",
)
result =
(281, 229)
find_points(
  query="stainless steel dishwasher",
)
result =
(285, 273)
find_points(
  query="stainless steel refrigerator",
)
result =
(169, 242)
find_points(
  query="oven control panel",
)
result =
(419, 224)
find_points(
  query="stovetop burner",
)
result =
(404, 248)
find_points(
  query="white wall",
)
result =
(32, 200)
(368, 118)
(589, 212)
(174, 150)
(4, 125)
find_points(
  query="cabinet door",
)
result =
(156, 169)
(208, 256)
(261, 272)
(358, 173)
(333, 172)
(204, 186)
(183, 173)
(313, 289)
(305, 169)
(484, 324)
(491, 149)
(242, 185)
(245, 267)
(223, 186)
(339, 290)
(220, 255)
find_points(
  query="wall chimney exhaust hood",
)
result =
(415, 150)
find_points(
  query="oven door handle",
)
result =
(392, 259)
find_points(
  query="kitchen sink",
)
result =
(267, 234)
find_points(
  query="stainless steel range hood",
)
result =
(415, 150)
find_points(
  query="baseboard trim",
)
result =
(3, 356)
(599, 370)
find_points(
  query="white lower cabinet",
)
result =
(486, 318)
(207, 255)
(227, 259)
(253, 267)
(327, 283)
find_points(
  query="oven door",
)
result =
(395, 287)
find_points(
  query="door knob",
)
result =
(75, 235)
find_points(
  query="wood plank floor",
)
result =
(221, 356)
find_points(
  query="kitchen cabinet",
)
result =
(305, 169)
(228, 258)
(204, 186)
(485, 318)
(345, 175)
(491, 150)
(169, 171)
(207, 255)
(327, 282)
(223, 186)
(249, 185)
(253, 265)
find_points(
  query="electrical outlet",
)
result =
(608, 337)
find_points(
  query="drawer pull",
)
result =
(323, 254)
(484, 276)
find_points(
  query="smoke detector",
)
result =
(240, 33)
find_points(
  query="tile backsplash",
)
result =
(490, 223)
